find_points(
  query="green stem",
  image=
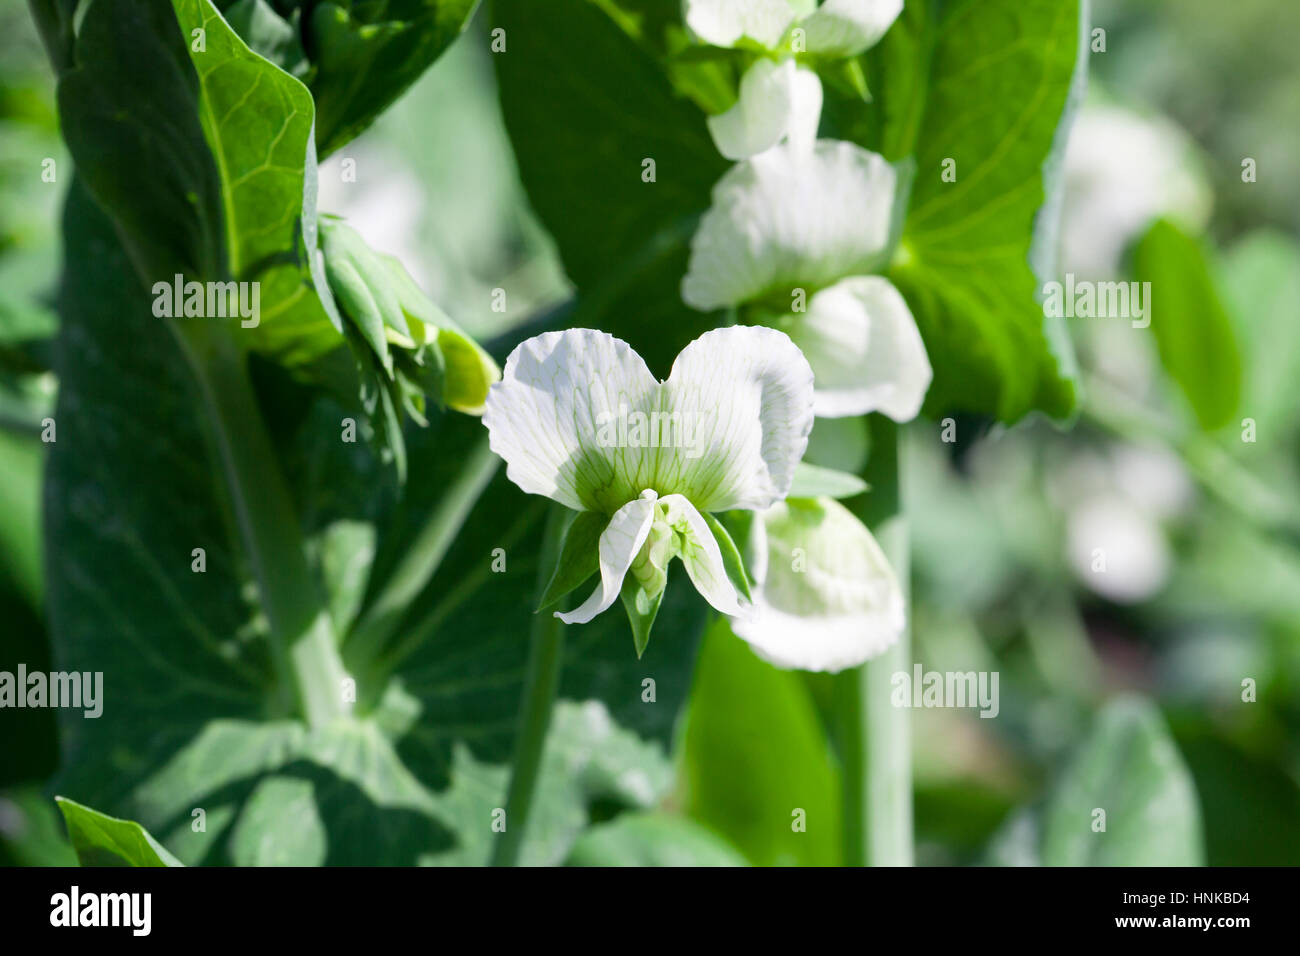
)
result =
(874, 737)
(545, 660)
(305, 653)
(424, 556)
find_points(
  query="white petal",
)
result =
(865, 350)
(619, 544)
(745, 397)
(842, 608)
(805, 110)
(545, 415)
(702, 557)
(847, 27)
(725, 22)
(788, 219)
(776, 100)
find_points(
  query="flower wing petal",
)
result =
(789, 219)
(620, 543)
(545, 417)
(743, 395)
(865, 350)
(702, 557)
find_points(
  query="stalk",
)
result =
(874, 737)
(545, 660)
(308, 667)
(422, 559)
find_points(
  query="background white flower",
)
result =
(825, 595)
(776, 101)
(837, 28)
(788, 220)
(865, 350)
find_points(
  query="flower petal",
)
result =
(788, 219)
(865, 350)
(701, 556)
(828, 598)
(726, 22)
(776, 100)
(620, 543)
(745, 395)
(848, 27)
(545, 417)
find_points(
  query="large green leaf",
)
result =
(101, 840)
(988, 85)
(1130, 770)
(586, 107)
(223, 138)
(413, 778)
(755, 756)
(1193, 331)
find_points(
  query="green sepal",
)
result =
(579, 555)
(814, 481)
(732, 562)
(641, 612)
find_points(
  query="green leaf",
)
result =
(367, 54)
(1130, 768)
(579, 556)
(223, 138)
(101, 840)
(652, 839)
(754, 753)
(988, 85)
(1261, 283)
(1193, 331)
(586, 107)
(813, 481)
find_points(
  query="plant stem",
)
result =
(545, 660)
(424, 556)
(874, 737)
(304, 650)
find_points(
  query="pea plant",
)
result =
(366, 589)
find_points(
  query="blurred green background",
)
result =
(1200, 527)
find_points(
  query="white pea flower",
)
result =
(865, 350)
(777, 100)
(580, 419)
(813, 221)
(825, 595)
(836, 28)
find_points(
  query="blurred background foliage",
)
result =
(1201, 528)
